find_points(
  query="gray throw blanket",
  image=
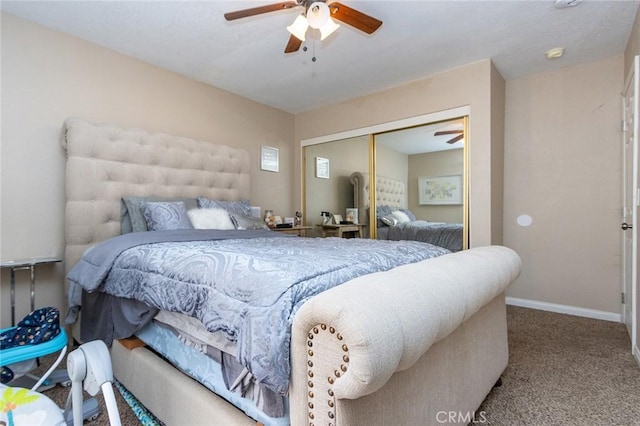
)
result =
(249, 289)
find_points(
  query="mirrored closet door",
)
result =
(421, 182)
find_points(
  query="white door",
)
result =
(630, 202)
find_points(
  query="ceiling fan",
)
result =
(317, 14)
(455, 139)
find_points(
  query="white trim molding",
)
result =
(565, 309)
(636, 354)
(391, 125)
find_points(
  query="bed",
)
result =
(405, 345)
(394, 221)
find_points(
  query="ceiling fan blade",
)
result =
(448, 132)
(456, 139)
(293, 44)
(352, 17)
(259, 10)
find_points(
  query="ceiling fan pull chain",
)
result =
(313, 59)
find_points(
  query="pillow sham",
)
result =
(389, 220)
(131, 217)
(244, 222)
(210, 218)
(166, 216)
(237, 207)
(401, 216)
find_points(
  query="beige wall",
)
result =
(563, 168)
(471, 85)
(442, 163)
(392, 164)
(48, 76)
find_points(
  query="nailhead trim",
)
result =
(331, 379)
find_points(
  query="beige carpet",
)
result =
(563, 370)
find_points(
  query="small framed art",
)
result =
(352, 216)
(269, 159)
(322, 168)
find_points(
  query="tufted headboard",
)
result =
(105, 163)
(389, 192)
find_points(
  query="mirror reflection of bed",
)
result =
(419, 185)
(396, 222)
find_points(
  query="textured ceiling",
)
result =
(418, 38)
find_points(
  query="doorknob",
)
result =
(626, 226)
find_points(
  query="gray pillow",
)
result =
(237, 207)
(166, 216)
(244, 222)
(131, 217)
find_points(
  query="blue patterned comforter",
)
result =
(249, 289)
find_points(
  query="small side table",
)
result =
(300, 231)
(22, 265)
(342, 231)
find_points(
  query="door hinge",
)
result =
(623, 125)
(622, 298)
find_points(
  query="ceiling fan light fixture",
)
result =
(327, 29)
(299, 27)
(554, 53)
(318, 14)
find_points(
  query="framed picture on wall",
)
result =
(269, 159)
(440, 190)
(322, 168)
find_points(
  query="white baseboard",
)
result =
(565, 309)
(636, 354)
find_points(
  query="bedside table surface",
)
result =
(28, 262)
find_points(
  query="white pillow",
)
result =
(210, 219)
(401, 216)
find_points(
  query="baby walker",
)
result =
(37, 335)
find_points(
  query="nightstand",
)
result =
(342, 231)
(300, 231)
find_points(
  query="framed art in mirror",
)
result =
(322, 168)
(440, 190)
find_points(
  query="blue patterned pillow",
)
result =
(131, 217)
(237, 207)
(166, 216)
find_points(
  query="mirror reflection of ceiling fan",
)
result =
(317, 14)
(455, 139)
